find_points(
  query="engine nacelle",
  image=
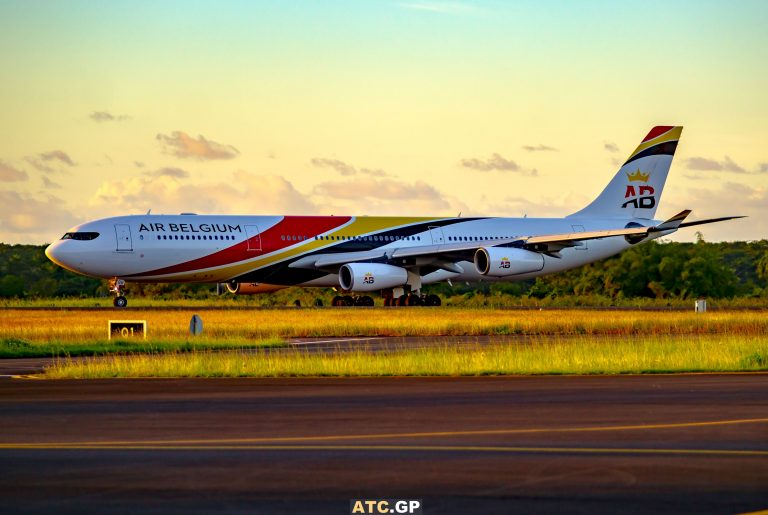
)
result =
(251, 288)
(371, 276)
(504, 261)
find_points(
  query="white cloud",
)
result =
(28, 219)
(178, 173)
(496, 162)
(43, 162)
(10, 174)
(104, 116)
(375, 196)
(728, 199)
(183, 145)
(539, 148)
(49, 184)
(706, 164)
(244, 193)
(346, 169)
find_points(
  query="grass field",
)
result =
(557, 341)
(58, 332)
(578, 355)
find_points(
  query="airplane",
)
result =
(358, 255)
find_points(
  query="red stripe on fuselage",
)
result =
(657, 131)
(300, 226)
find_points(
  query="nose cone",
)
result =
(52, 253)
(58, 253)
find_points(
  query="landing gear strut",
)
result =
(118, 285)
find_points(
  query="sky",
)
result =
(412, 107)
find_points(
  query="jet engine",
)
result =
(504, 261)
(251, 288)
(371, 276)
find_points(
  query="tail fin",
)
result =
(636, 189)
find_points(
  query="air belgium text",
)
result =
(189, 228)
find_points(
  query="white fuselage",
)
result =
(202, 248)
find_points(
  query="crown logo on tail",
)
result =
(638, 176)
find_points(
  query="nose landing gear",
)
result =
(118, 286)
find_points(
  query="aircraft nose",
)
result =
(52, 253)
(58, 254)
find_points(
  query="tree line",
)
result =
(661, 270)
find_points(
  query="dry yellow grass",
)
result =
(45, 326)
(577, 355)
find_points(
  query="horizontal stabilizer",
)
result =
(710, 220)
(673, 223)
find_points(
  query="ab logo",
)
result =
(641, 197)
(368, 278)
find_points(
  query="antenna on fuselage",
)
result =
(149, 211)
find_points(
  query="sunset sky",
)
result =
(378, 107)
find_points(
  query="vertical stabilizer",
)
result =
(635, 190)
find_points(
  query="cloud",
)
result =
(248, 193)
(26, 219)
(10, 174)
(241, 193)
(49, 184)
(553, 206)
(40, 162)
(496, 162)
(610, 147)
(539, 148)
(183, 145)
(344, 168)
(762, 168)
(706, 164)
(371, 195)
(104, 116)
(178, 173)
(441, 7)
(728, 199)
(57, 155)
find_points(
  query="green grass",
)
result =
(20, 348)
(577, 355)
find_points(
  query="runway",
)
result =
(629, 444)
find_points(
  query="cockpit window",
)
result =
(80, 236)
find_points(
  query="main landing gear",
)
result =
(409, 299)
(413, 299)
(348, 300)
(118, 286)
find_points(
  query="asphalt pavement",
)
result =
(620, 444)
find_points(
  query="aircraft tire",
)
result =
(120, 301)
(432, 300)
(337, 301)
(413, 300)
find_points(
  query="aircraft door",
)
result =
(583, 244)
(124, 240)
(254, 238)
(437, 235)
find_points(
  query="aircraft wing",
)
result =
(445, 256)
